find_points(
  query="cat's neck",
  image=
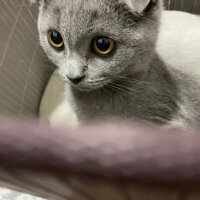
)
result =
(148, 95)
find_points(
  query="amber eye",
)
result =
(56, 40)
(103, 45)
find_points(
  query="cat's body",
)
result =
(133, 82)
(150, 95)
(161, 96)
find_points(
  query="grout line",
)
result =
(6, 105)
(31, 31)
(10, 36)
(182, 3)
(4, 22)
(27, 80)
(8, 7)
(7, 97)
(169, 3)
(193, 6)
(30, 13)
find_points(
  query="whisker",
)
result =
(138, 83)
(117, 87)
(96, 80)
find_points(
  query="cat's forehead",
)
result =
(77, 11)
(76, 16)
(77, 5)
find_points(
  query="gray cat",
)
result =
(105, 51)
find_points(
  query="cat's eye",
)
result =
(56, 40)
(103, 45)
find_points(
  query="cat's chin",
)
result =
(83, 88)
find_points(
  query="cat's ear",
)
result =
(139, 5)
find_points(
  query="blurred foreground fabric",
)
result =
(99, 161)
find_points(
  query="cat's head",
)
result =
(94, 42)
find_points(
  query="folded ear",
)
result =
(139, 5)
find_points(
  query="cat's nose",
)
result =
(77, 79)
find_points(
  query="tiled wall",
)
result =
(24, 69)
(23, 66)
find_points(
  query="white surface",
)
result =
(53, 106)
(6, 194)
(179, 41)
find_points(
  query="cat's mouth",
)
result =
(89, 85)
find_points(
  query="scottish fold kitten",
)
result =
(105, 51)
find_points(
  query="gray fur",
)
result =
(132, 82)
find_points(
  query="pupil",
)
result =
(103, 44)
(56, 37)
